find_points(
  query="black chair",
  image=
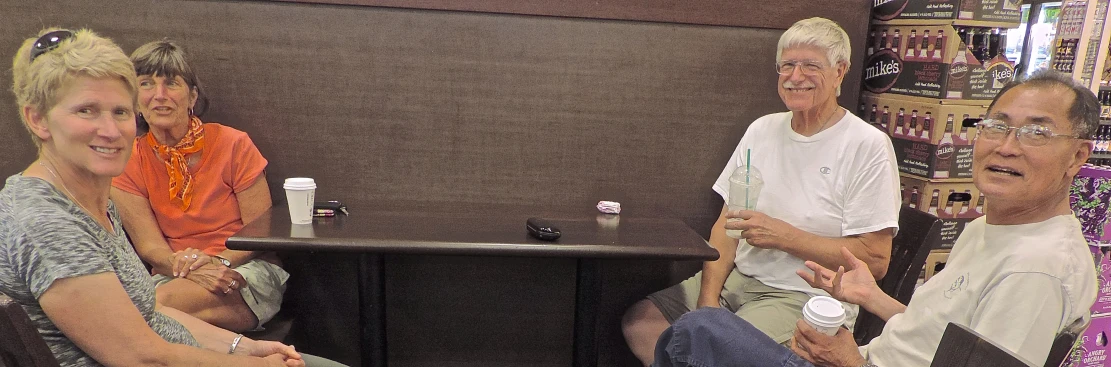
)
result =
(1065, 342)
(963, 347)
(917, 231)
(20, 344)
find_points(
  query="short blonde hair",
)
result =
(37, 82)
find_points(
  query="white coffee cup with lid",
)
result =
(825, 314)
(300, 193)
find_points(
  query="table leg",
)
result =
(372, 309)
(584, 345)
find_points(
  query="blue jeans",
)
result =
(716, 337)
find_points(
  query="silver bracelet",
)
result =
(235, 343)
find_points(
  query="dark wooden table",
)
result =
(467, 229)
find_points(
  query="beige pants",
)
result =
(771, 310)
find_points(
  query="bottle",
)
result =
(900, 120)
(933, 203)
(965, 206)
(886, 41)
(886, 118)
(963, 138)
(942, 169)
(903, 192)
(977, 39)
(896, 42)
(860, 111)
(1002, 42)
(980, 205)
(924, 48)
(939, 46)
(914, 197)
(993, 44)
(912, 45)
(927, 124)
(872, 117)
(949, 205)
(913, 128)
(871, 42)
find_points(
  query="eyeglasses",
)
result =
(49, 42)
(1030, 135)
(807, 67)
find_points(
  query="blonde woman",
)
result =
(63, 253)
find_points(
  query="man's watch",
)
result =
(868, 364)
(223, 260)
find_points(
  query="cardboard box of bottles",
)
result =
(1090, 199)
(1008, 11)
(1102, 307)
(927, 120)
(1091, 348)
(933, 61)
(935, 262)
(928, 135)
(937, 198)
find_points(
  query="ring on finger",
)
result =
(194, 256)
(234, 283)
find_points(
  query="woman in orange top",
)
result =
(187, 188)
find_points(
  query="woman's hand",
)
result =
(823, 350)
(188, 260)
(217, 278)
(278, 360)
(273, 351)
(855, 286)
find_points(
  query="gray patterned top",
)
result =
(45, 237)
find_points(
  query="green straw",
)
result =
(748, 173)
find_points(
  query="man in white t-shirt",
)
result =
(1019, 275)
(829, 181)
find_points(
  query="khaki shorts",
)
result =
(263, 293)
(771, 310)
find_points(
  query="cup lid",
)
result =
(825, 310)
(300, 183)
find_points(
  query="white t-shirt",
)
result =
(1016, 285)
(839, 182)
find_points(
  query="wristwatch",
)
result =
(868, 364)
(223, 260)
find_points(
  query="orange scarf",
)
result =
(181, 181)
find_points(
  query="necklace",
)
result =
(71, 195)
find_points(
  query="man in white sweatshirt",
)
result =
(1019, 275)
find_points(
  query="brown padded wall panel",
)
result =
(390, 104)
(758, 14)
(384, 104)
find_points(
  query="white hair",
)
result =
(818, 32)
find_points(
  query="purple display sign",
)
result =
(1090, 198)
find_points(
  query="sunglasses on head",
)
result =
(49, 42)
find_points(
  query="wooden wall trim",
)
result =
(755, 14)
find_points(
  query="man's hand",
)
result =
(762, 231)
(855, 286)
(715, 303)
(217, 278)
(824, 350)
